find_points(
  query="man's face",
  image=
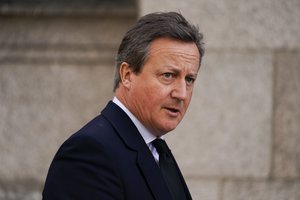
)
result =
(160, 94)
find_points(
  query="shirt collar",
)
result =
(146, 134)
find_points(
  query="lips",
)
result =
(172, 110)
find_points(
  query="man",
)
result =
(117, 155)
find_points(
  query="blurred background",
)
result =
(240, 138)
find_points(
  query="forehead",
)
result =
(168, 45)
(186, 51)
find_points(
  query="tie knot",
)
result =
(160, 145)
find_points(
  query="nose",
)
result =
(179, 90)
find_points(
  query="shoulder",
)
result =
(93, 136)
(83, 163)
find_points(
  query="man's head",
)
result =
(158, 62)
(134, 47)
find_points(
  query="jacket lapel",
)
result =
(187, 192)
(153, 175)
(133, 140)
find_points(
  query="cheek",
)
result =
(152, 99)
(155, 91)
(188, 100)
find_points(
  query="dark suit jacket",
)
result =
(106, 160)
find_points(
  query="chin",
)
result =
(169, 128)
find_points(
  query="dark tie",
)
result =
(169, 170)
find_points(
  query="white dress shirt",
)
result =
(146, 134)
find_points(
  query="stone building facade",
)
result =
(240, 138)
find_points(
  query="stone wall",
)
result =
(240, 137)
(56, 73)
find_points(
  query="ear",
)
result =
(125, 74)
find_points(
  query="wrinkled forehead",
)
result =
(171, 47)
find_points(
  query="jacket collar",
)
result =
(131, 137)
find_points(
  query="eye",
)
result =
(168, 75)
(189, 80)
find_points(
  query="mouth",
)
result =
(173, 111)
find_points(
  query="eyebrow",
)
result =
(177, 71)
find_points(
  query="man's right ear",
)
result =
(125, 74)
